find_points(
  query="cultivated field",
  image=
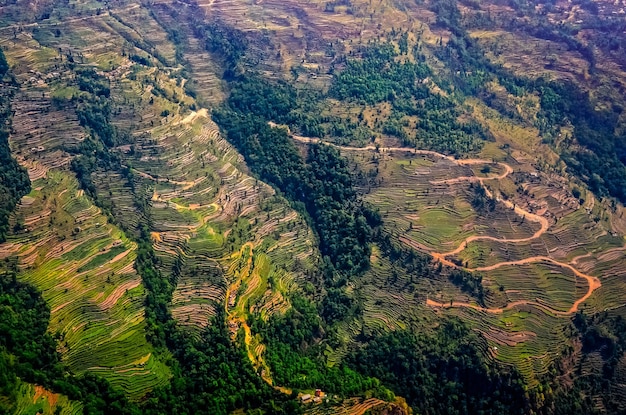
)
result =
(228, 239)
(543, 255)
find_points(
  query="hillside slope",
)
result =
(290, 191)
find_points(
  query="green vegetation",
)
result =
(25, 346)
(295, 354)
(214, 375)
(381, 76)
(441, 373)
(210, 373)
(602, 334)
(94, 113)
(322, 183)
(601, 162)
(599, 159)
(4, 66)
(196, 384)
(244, 298)
(14, 182)
(28, 352)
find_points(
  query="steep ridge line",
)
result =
(593, 283)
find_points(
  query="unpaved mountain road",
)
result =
(593, 283)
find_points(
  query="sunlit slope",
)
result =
(65, 246)
(209, 218)
(545, 246)
(519, 227)
(226, 238)
(35, 399)
(84, 268)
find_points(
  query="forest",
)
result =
(446, 367)
(196, 385)
(28, 353)
(442, 373)
(321, 184)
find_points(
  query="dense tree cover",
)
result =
(469, 283)
(214, 375)
(601, 163)
(93, 108)
(300, 109)
(480, 201)
(379, 77)
(210, 374)
(14, 182)
(414, 262)
(25, 345)
(441, 373)
(321, 184)
(221, 39)
(4, 66)
(295, 349)
(343, 223)
(598, 154)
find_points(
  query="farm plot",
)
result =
(354, 406)
(519, 235)
(84, 267)
(33, 399)
(207, 214)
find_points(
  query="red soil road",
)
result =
(592, 282)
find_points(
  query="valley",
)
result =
(235, 203)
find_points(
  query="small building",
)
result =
(305, 398)
(319, 393)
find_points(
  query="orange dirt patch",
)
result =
(41, 392)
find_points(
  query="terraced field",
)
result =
(349, 407)
(232, 241)
(37, 400)
(68, 248)
(228, 239)
(85, 269)
(300, 32)
(233, 244)
(538, 250)
(225, 229)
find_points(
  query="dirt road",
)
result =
(593, 283)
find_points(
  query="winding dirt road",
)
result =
(593, 283)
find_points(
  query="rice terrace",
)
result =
(593, 282)
(354, 207)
